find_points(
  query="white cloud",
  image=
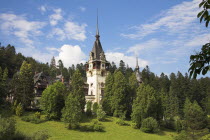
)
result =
(37, 54)
(57, 16)
(75, 31)
(20, 27)
(145, 46)
(42, 8)
(70, 54)
(71, 31)
(174, 20)
(82, 9)
(130, 60)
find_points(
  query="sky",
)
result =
(161, 33)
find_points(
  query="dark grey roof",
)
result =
(97, 48)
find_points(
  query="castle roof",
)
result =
(97, 48)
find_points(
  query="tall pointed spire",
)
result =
(137, 65)
(97, 30)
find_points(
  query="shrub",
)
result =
(121, 122)
(89, 106)
(7, 128)
(97, 126)
(40, 135)
(37, 115)
(19, 110)
(149, 125)
(73, 126)
(134, 125)
(95, 107)
(31, 119)
(100, 113)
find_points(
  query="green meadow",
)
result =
(58, 131)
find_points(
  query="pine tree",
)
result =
(23, 85)
(3, 85)
(133, 85)
(52, 100)
(122, 67)
(106, 100)
(120, 91)
(145, 104)
(71, 113)
(77, 88)
(194, 116)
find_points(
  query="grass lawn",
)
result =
(57, 131)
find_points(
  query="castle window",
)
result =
(102, 65)
(102, 84)
(102, 73)
(91, 93)
(91, 84)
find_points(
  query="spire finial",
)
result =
(97, 30)
(137, 65)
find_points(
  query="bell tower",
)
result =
(96, 70)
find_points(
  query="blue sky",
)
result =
(162, 33)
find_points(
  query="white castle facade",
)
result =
(96, 71)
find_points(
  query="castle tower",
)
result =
(96, 71)
(138, 75)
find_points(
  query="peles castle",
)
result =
(97, 68)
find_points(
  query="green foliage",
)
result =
(32, 119)
(204, 14)
(106, 100)
(7, 128)
(100, 113)
(95, 107)
(22, 85)
(89, 108)
(194, 116)
(19, 110)
(77, 88)
(120, 91)
(52, 100)
(199, 63)
(182, 136)
(149, 125)
(145, 104)
(121, 122)
(3, 85)
(40, 135)
(72, 111)
(37, 115)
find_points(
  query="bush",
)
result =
(121, 122)
(89, 106)
(134, 125)
(40, 135)
(149, 125)
(100, 114)
(31, 119)
(7, 128)
(97, 126)
(19, 110)
(95, 107)
(37, 115)
(73, 126)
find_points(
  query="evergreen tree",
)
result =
(77, 88)
(23, 85)
(172, 105)
(113, 67)
(89, 108)
(71, 113)
(52, 100)
(106, 100)
(194, 116)
(122, 67)
(133, 85)
(120, 91)
(3, 85)
(145, 104)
